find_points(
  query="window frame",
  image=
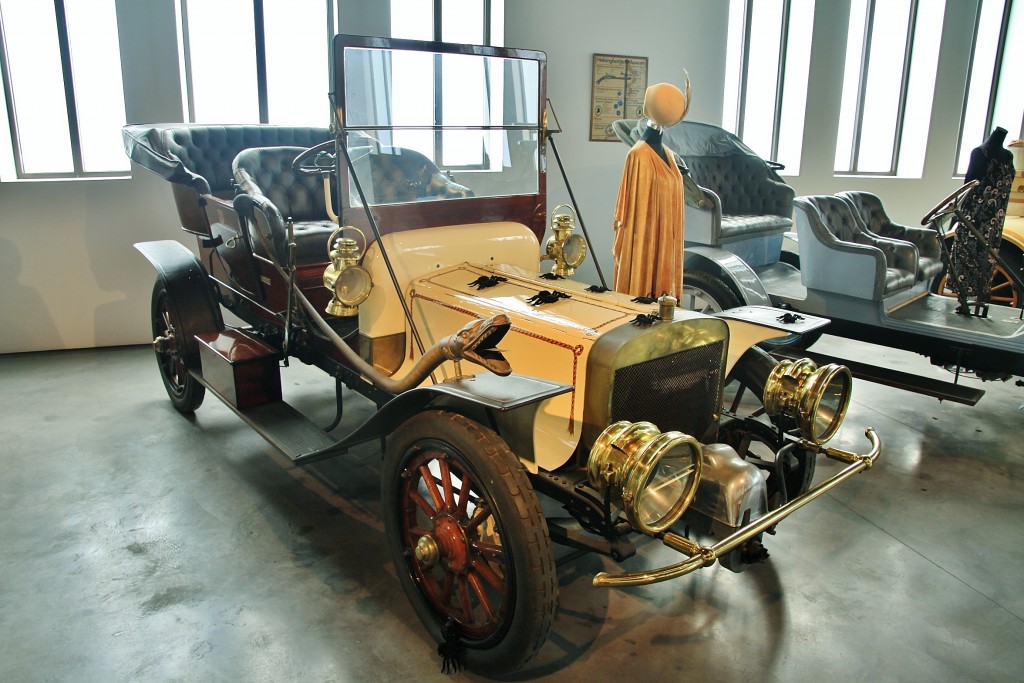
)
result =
(437, 31)
(993, 88)
(901, 111)
(70, 102)
(792, 60)
(259, 45)
(780, 72)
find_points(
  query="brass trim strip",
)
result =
(703, 556)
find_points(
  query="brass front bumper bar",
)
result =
(702, 556)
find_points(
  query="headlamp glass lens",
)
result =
(667, 487)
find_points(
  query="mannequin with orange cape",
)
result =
(648, 242)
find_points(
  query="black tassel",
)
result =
(450, 649)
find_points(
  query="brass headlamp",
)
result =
(817, 398)
(564, 248)
(651, 475)
(348, 281)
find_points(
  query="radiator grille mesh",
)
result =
(678, 392)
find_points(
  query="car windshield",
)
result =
(425, 125)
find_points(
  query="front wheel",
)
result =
(172, 357)
(469, 541)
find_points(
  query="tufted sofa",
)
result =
(271, 193)
(838, 255)
(197, 158)
(868, 207)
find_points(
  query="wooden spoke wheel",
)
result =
(469, 540)
(1004, 293)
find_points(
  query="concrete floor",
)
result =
(138, 545)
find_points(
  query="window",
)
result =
(256, 61)
(418, 82)
(63, 97)
(767, 65)
(994, 96)
(892, 55)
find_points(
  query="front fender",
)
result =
(510, 398)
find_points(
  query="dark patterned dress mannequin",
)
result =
(971, 267)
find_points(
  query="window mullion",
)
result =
(858, 120)
(261, 60)
(69, 87)
(12, 119)
(1004, 27)
(186, 56)
(904, 86)
(741, 105)
(780, 81)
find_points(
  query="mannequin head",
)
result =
(665, 104)
(995, 139)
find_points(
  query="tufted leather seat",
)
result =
(200, 155)
(838, 256)
(868, 207)
(752, 203)
(744, 198)
(271, 193)
(398, 175)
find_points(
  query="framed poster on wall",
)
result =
(617, 89)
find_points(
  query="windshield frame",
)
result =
(527, 208)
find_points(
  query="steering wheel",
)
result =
(951, 203)
(316, 160)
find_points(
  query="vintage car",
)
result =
(400, 252)
(876, 281)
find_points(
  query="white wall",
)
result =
(692, 34)
(69, 277)
(673, 35)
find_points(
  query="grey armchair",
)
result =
(838, 256)
(868, 207)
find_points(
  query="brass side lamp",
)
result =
(563, 247)
(348, 281)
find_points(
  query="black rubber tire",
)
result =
(753, 439)
(791, 258)
(173, 360)
(525, 567)
(707, 293)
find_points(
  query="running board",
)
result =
(927, 386)
(283, 426)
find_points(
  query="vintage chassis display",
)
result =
(400, 251)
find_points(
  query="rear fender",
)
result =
(729, 268)
(188, 287)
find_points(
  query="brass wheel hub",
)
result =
(427, 551)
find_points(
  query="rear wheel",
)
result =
(469, 541)
(1004, 293)
(172, 357)
(706, 293)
